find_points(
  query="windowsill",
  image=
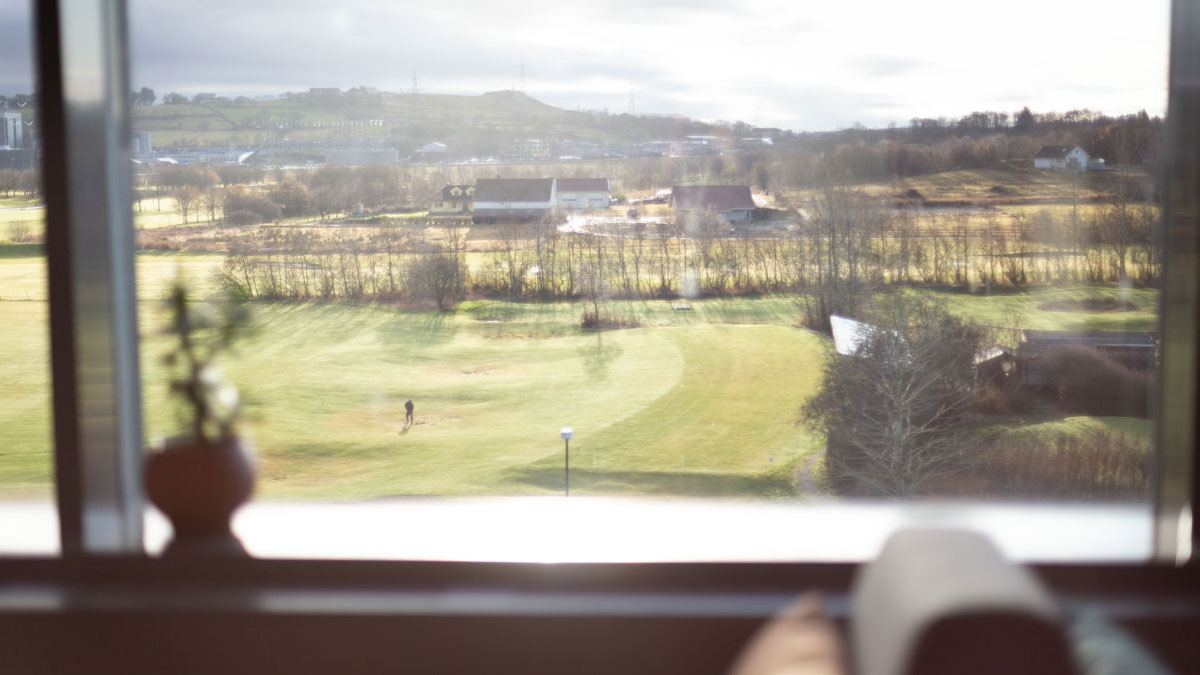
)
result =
(596, 529)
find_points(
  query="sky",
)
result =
(798, 64)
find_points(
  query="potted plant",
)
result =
(201, 476)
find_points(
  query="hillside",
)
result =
(472, 124)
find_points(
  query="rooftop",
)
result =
(719, 198)
(514, 189)
(583, 185)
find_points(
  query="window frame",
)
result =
(83, 65)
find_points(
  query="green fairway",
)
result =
(706, 409)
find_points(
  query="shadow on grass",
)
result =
(586, 480)
(22, 251)
(598, 357)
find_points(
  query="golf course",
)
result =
(699, 398)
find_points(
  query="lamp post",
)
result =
(567, 432)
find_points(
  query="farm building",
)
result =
(994, 363)
(729, 203)
(524, 199)
(434, 148)
(582, 193)
(456, 201)
(848, 334)
(1061, 158)
(1132, 349)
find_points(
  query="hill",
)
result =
(479, 125)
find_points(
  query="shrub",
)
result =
(1083, 380)
(240, 201)
(243, 218)
(1097, 465)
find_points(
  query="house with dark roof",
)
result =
(456, 201)
(729, 203)
(1061, 158)
(1133, 349)
(513, 199)
(582, 193)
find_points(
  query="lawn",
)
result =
(699, 401)
(699, 410)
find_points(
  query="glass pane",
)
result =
(775, 252)
(26, 458)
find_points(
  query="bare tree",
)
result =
(895, 413)
(185, 198)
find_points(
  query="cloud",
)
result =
(16, 48)
(884, 66)
(771, 62)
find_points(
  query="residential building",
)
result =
(12, 130)
(729, 203)
(523, 199)
(1061, 158)
(582, 193)
(456, 201)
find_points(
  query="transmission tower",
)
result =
(632, 103)
(414, 87)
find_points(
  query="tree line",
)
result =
(848, 246)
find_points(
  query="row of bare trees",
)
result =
(13, 182)
(848, 245)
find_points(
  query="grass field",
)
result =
(697, 402)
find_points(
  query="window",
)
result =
(311, 203)
(26, 460)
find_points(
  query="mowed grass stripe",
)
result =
(25, 421)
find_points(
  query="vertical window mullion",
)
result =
(1175, 473)
(84, 108)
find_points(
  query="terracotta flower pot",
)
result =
(198, 487)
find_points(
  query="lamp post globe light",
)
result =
(566, 434)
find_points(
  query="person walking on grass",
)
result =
(408, 412)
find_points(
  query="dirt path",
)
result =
(806, 476)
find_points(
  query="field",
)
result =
(700, 401)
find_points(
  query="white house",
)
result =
(582, 193)
(513, 199)
(456, 201)
(1061, 158)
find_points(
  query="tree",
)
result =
(895, 414)
(437, 276)
(174, 99)
(185, 197)
(1023, 121)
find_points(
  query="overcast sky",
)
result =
(798, 64)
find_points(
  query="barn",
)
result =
(730, 203)
(513, 199)
(582, 193)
